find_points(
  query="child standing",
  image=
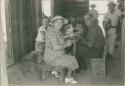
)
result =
(40, 40)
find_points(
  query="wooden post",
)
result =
(123, 44)
(74, 48)
(10, 55)
(3, 68)
(21, 27)
(74, 53)
(123, 41)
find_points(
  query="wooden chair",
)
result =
(47, 68)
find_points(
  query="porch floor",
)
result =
(24, 73)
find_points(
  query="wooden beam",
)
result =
(3, 68)
(123, 46)
(21, 27)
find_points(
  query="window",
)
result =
(46, 7)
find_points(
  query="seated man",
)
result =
(93, 45)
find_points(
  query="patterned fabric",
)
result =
(57, 57)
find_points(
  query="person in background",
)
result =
(93, 11)
(55, 49)
(120, 10)
(40, 39)
(110, 23)
(93, 45)
(71, 30)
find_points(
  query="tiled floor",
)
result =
(24, 73)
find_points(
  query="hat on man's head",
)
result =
(111, 3)
(65, 21)
(93, 5)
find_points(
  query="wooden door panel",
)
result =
(75, 7)
(14, 24)
(23, 20)
(16, 47)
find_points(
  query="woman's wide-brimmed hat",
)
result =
(65, 21)
(93, 5)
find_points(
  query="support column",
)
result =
(22, 29)
(123, 46)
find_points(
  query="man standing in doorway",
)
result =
(110, 23)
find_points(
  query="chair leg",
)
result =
(74, 73)
(44, 75)
(62, 76)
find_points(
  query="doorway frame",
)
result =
(9, 32)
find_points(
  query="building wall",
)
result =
(57, 7)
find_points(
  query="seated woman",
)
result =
(55, 49)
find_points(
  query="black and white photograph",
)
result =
(62, 42)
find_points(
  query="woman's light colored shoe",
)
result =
(70, 80)
(55, 74)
